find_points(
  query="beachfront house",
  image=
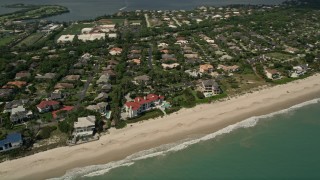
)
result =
(298, 71)
(142, 104)
(12, 141)
(84, 127)
(210, 88)
(272, 74)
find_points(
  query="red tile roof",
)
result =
(139, 101)
(134, 105)
(44, 104)
(65, 108)
(18, 84)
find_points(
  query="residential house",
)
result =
(65, 38)
(64, 86)
(193, 73)
(102, 97)
(163, 45)
(12, 141)
(47, 76)
(233, 68)
(209, 88)
(298, 71)
(112, 35)
(91, 37)
(115, 51)
(191, 56)
(72, 78)
(106, 88)
(142, 104)
(225, 57)
(19, 114)
(6, 93)
(86, 30)
(100, 107)
(103, 79)
(113, 62)
(134, 56)
(110, 73)
(15, 84)
(56, 94)
(21, 75)
(169, 66)
(84, 126)
(168, 57)
(13, 104)
(272, 74)
(144, 79)
(206, 68)
(46, 106)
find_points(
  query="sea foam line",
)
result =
(97, 170)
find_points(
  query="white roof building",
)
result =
(91, 37)
(84, 126)
(112, 35)
(86, 30)
(65, 38)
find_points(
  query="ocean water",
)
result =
(90, 9)
(281, 145)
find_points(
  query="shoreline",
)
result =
(186, 123)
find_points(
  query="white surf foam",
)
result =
(97, 170)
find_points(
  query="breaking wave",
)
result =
(97, 170)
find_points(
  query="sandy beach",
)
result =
(201, 120)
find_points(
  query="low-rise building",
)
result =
(58, 113)
(273, 74)
(233, 68)
(169, 66)
(142, 104)
(92, 37)
(84, 127)
(210, 88)
(21, 75)
(206, 68)
(298, 71)
(19, 114)
(115, 51)
(46, 106)
(99, 107)
(65, 38)
(12, 141)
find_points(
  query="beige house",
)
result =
(272, 74)
(206, 68)
(233, 68)
(210, 88)
(84, 126)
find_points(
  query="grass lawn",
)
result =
(277, 55)
(111, 21)
(75, 29)
(7, 39)
(46, 117)
(32, 39)
(148, 115)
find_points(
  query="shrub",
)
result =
(200, 95)
(45, 132)
(65, 126)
